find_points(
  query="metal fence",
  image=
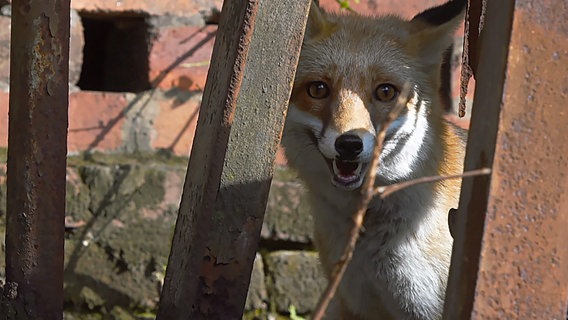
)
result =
(510, 253)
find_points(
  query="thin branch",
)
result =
(367, 193)
(385, 191)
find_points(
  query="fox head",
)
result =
(351, 70)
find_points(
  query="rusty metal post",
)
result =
(510, 258)
(37, 149)
(231, 164)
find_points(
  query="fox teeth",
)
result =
(335, 169)
(358, 170)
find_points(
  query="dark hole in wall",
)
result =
(115, 55)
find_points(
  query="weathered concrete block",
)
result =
(2, 245)
(257, 295)
(287, 216)
(295, 279)
(3, 189)
(125, 216)
(3, 118)
(120, 215)
(77, 199)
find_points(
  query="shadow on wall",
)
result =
(116, 59)
(115, 253)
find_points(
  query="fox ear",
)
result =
(432, 30)
(319, 24)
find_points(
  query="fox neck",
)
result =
(410, 150)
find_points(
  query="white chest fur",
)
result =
(400, 264)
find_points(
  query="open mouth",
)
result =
(347, 174)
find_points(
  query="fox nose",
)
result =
(348, 146)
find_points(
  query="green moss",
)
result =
(143, 315)
(72, 315)
(92, 299)
(285, 174)
(118, 313)
(3, 155)
(162, 158)
(256, 314)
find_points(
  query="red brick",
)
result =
(180, 57)
(93, 116)
(176, 7)
(173, 184)
(95, 121)
(175, 125)
(280, 157)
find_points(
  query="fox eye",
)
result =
(386, 92)
(318, 90)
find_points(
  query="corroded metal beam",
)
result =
(37, 149)
(510, 258)
(230, 168)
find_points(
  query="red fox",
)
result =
(351, 70)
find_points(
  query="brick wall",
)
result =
(138, 68)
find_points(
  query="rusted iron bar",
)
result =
(510, 259)
(231, 164)
(37, 149)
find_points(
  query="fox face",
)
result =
(350, 73)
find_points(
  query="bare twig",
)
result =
(367, 192)
(385, 191)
